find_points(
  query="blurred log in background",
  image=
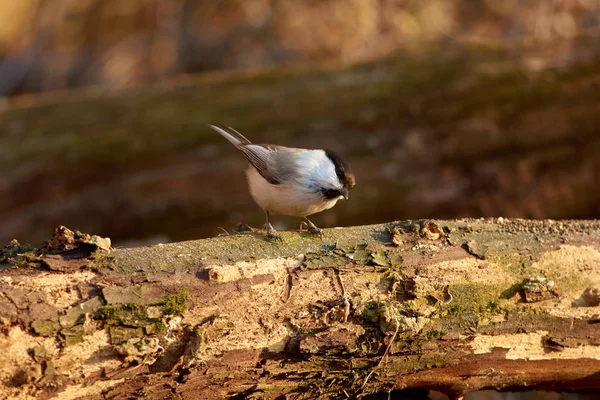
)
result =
(60, 44)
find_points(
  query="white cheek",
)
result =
(319, 170)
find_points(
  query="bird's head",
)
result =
(344, 179)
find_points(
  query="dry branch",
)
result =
(453, 306)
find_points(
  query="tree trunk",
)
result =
(451, 306)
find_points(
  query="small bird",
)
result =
(291, 181)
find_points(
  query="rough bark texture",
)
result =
(452, 306)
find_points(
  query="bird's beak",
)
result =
(344, 193)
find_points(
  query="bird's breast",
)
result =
(286, 198)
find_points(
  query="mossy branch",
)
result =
(453, 306)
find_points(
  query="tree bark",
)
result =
(451, 306)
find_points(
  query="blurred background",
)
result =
(445, 108)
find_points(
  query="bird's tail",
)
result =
(230, 134)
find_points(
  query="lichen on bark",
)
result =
(413, 304)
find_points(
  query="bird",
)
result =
(292, 181)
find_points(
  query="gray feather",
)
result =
(260, 156)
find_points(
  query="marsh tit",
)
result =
(290, 181)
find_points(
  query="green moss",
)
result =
(325, 258)
(175, 304)
(160, 327)
(433, 334)
(47, 328)
(14, 249)
(72, 335)
(120, 334)
(492, 306)
(19, 257)
(109, 315)
(198, 343)
(132, 307)
(474, 298)
(98, 256)
(28, 256)
(133, 313)
(372, 311)
(454, 308)
(380, 258)
(362, 257)
(312, 332)
(22, 263)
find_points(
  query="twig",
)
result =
(223, 229)
(289, 282)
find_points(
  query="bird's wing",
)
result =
(263, 158)
(274, 163)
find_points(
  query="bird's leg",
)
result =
(311, 228)
(271, 232)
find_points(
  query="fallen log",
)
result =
(452, 306)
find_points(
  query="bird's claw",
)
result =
(311, 228)
(272, 233)
(316, 231)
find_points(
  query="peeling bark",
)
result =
(453, 306)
